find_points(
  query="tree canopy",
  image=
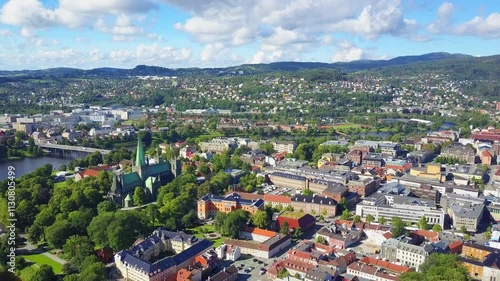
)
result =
(443, 267)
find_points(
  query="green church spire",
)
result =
(140, 159)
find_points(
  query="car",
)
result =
(247, 270)
(262, 271)
(255, 260)
(265, 264)
(242, 265)
(260, 262)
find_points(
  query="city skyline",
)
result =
(173, 33)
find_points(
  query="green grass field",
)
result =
(61, 184)
(41, 259)
(347, 126)
(200, 231)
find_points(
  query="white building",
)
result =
(406, 208)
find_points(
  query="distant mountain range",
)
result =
(143, 70)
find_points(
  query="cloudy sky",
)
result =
(183, 33)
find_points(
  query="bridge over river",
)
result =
(70, 150)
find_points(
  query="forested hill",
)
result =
(440, 60)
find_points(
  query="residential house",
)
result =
(460, 152)
(406, 251)
(363, 187)
(284, 146)
(226, 274)
(339, 236)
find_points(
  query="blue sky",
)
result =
(38, 34)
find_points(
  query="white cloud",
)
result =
(282, 36)
(211, 51)
(442, 22)
(96, 55)
(267, 56)
(162, 55)
(488, 27)
(121, 56)
(70, 13)
(373, 22)
(5, 33)
(239, 21)
(347, 51)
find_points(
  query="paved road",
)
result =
(137, 207)
(29, 248)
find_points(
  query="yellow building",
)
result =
(431, 171)
(476, 251)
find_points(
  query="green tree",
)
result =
(369, 218)
(345, 215)
(139, 196)
(397, 227)
(320, 239)
(439, 267)
(267, 147)
(307, 192)
(57, 233)
(43, 273)
(106, 206)
(357, 219)
(77, 248)
(487, 234)
(261, 219)
(285, 228)
(297, 233)
(283, 273)
(105, 180)
(422, 223)
(463, 230)
(437, 228)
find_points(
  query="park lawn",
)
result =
(201, 230)
(61, 183)
(41, 259)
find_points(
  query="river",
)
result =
(27, 165)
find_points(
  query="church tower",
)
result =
(140, 160)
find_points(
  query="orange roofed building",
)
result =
(209, 205)
(93, 172)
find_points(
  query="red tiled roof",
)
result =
(456, 247)
(486, 153)
(387, 235)
(261, 232)
(277, 198)
(427, 234)
(385, 264)
(297, 265)
(348, 223)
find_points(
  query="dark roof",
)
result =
(479, 246)
(316, 274)
(314, 199)
(225, 273)
(192, 251)
(235, 197)
(290, 176)
(336, 188)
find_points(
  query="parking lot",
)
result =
(275, 190)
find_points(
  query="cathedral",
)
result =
(148, 176)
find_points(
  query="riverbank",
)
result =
(27, 165)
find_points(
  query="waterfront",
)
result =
(27, 165)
